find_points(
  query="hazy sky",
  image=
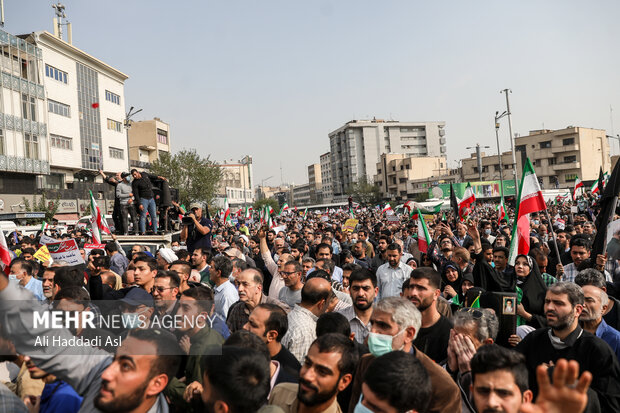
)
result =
(272, 78)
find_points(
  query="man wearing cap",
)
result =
(198, 233)
(138, 307)
(124, 194)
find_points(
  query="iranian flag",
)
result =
(226, 217)
(284, 208)
(594, 187)
(501, 211)
(268, 219)
(530, 201)
(465, 204)
(98, 222)
(44, 226)
(247, 213)
(578, 184)
(5, 255)
(386, 208)
(423, 237)
(305, 213)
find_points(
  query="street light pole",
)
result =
(512, 142)
(478, 158)
(127, 126)
(499, 153)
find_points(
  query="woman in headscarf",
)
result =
(451, 280)
(533, 291)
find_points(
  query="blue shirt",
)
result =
(59, 397)
(225, 295)
(609, 335)
(36, 288)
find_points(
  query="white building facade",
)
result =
(357, 146)
(85, 104)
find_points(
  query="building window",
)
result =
(2, 151)
(162, 136)
(568, 141)
(61, 142)
(58, 108)
(56, 74)
(545, 144)
(31, 146)
(570, 159)
(552, 161)
(29, 107)
(116, 153)
(112, 97)
(54, 181)
(570, 177)
(115, 126)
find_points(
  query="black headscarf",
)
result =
(534, 291)
(490, 279)
(456, 284)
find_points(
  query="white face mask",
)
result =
(12, 277)
(133, 320)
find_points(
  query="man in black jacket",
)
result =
(143, 192)
(566, 339)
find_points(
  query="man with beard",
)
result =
(381, 257)
(48, 283)
(358, 249)
(131, 381)
(290, 294)
(326, 371)
(363, 289)
(564, 338)
(434, 334)
(392, 274)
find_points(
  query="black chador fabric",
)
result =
(490, 279)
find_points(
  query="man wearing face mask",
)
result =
(395, 324)
(126, 200)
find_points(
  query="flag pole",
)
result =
(555, 240)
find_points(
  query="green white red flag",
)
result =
(386, 208)
(578, 184)
(501, 211)
(424, 238)
(530, 200)
(465, 204)
(227, 217)
(284, 208)
(98, 222)
(5, 255)
(44, 226)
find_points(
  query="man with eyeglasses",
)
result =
(293, 283)
(165, 292)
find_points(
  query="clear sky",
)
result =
(272, 78)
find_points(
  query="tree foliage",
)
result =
(42, 204)
(364, 192)
(260, 204)
(195, 177)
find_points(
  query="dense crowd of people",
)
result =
(307, 316)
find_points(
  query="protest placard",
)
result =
(89, 247)
(47, 240)
(42, 254)
(66, 251)
(350, 224)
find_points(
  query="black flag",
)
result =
(601, 178)
(454, 203)
(608, 202)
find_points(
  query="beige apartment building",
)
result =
(490, 167)
(558, 157)
(396, 171)
(148, 139)
(315, 183)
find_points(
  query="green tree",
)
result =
(364, 192)
(260, 204)
(195, 177)
(42, 204)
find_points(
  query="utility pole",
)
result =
(512, 142)
(478, 158)
(499, 152)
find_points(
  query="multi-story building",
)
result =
(265, 192)
(558, 157)
(61, 120)
(490, 170)
(85, 109)
(357, 147)
(326, 178)
(395, 171)
(299, 195)
(148, 139)
(24, 144)
(236, 183)
(315, 182)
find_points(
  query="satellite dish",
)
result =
(437, 192)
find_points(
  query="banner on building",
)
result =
(482, 189)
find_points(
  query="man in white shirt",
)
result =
(392, 274)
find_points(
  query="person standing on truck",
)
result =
(143, 192)
(116, 211)
(196, 234)
(124, 196)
